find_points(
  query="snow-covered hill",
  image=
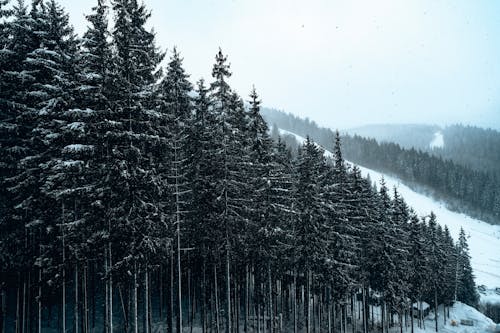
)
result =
(484, 238)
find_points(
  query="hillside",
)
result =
(463, 189)
(472, 147)
(484, 238)
(406, 135)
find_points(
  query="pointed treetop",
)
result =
(221, 67)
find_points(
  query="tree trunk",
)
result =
(228, 289)
(308, 301)
(85, 301)
(146, 299)
(245, 324)
(294, 295)
(110, 279)
(216, 300)
(106, 287)
(436, 308)
(170, 314)
(122, 301)
(204, 300)
(179, 272)
(18, 300)
(411, 319)
(63, 274)
(136, 317)
(76, 299)
(270, 296)
(40, 300)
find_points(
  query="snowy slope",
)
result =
(459, 312)
(484, 238)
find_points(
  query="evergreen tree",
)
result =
(466, 288)
(310, 229)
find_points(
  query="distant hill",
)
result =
(406, 135)
(473, 147)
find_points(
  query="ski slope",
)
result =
(483, 238)
(437, 141)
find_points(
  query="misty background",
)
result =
(343, 63)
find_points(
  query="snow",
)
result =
(483, 238)
(491, 296)
(421, 305)
(459, 312)
(437, 141)
(77, 148)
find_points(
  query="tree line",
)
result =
(131, 200)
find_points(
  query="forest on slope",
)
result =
(463, 189)
(131, 200)
(473, 147)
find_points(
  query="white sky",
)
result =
(344, 63)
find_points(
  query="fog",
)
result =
(344, 63)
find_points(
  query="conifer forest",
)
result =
(135, 200)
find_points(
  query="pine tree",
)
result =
(466, 288)
(310, 229)
(176, 104)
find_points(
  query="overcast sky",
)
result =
(344, 63)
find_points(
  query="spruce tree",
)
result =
(466, 287)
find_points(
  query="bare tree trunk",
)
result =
(294, 295)
(204, 299)
(40, 299)
(308, 301)
(146, 299)
(136, 317)
(365, 319)
(190, 304)
(18, 300)
(436, 308)
(76, 299)
(85, 300)
(257, 307)
(178, 220)
(63, 274)
(106, 302)
(160, 291)
(270, 295)
(228, 288)
(193, 310)
(245, 325)
(170, 314)
(217, 322)
(334, 315)
(110, 279)
(411, 319)
(122, 301)
(24, 305)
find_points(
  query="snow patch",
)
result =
(77, 148)
(437, 141)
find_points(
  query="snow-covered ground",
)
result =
(459, 312)
(484, 238)
(437, 141)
